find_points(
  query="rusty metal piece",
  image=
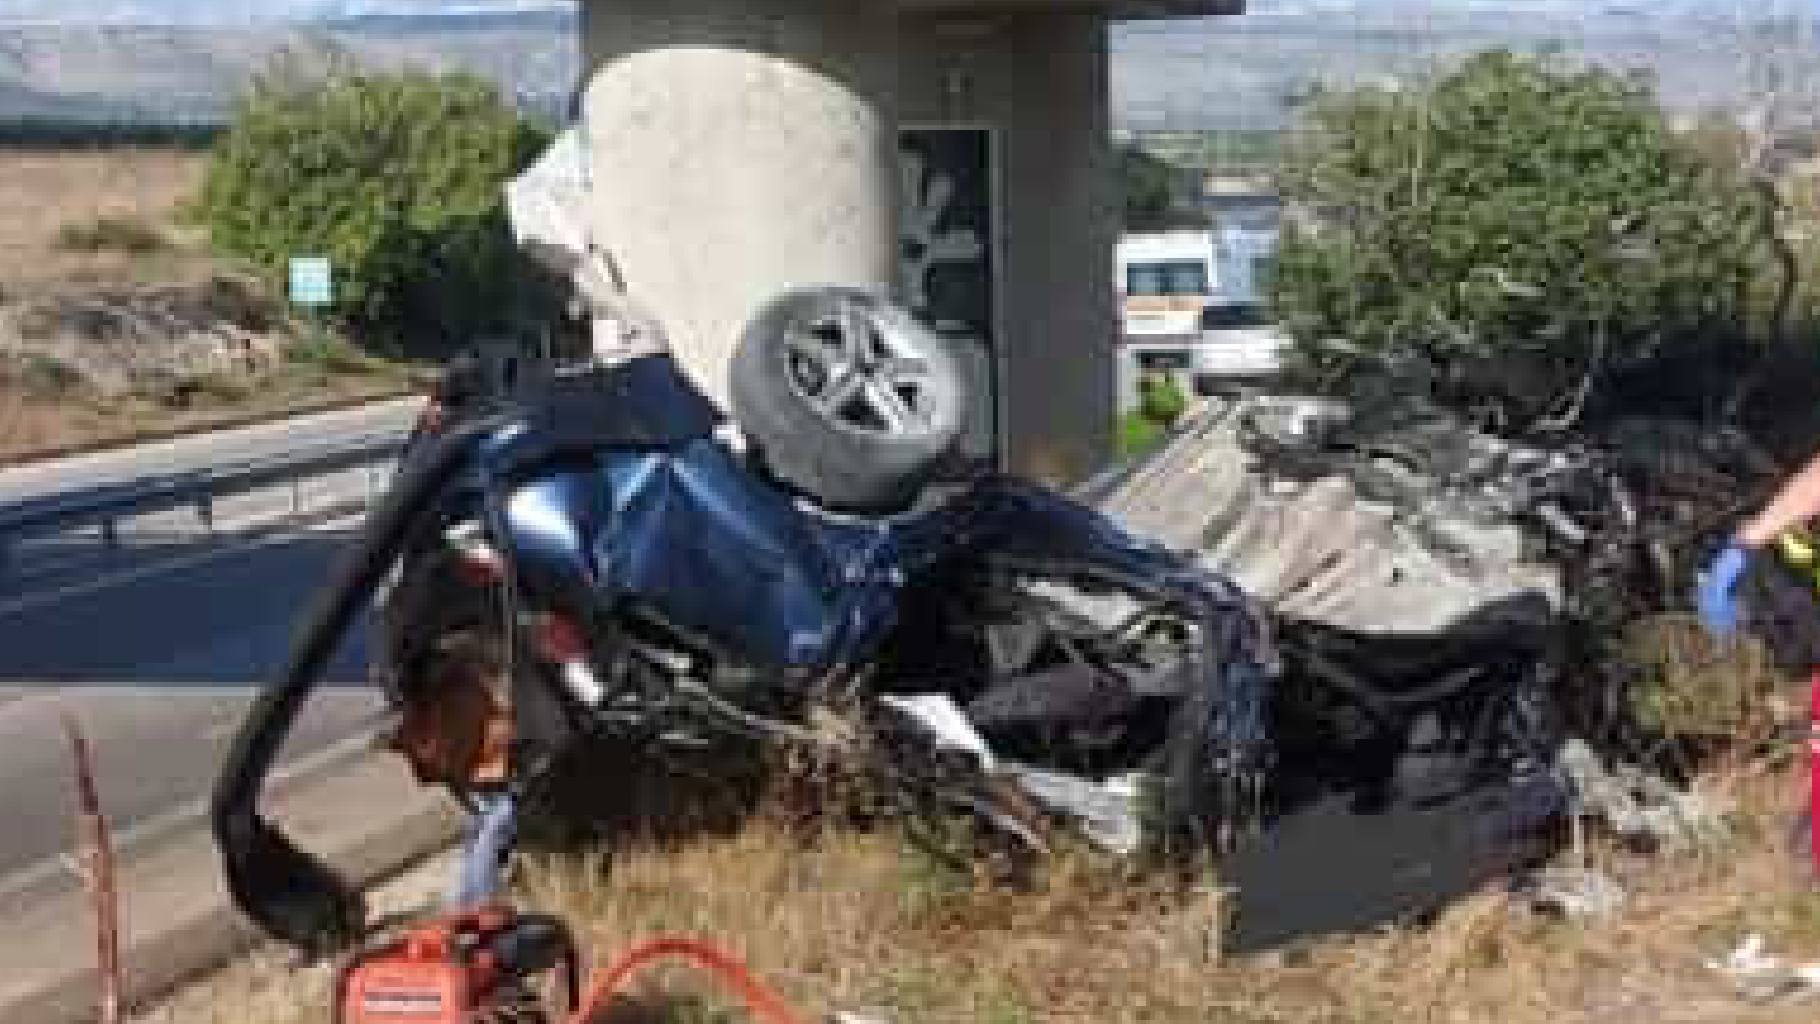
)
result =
(97, 858)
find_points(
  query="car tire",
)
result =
(846, 398)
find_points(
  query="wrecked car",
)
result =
(642, 578)
(638, 574)
(586, 552)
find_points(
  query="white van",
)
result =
(1165, 279)
(1189, 307)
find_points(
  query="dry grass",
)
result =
(29, 427)
(837, 918)
(76, 219)
(46, 195)
(858, 921)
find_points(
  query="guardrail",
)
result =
(106, 506)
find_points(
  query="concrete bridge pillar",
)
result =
(1037, 81)
(741, 147)
(738, 148)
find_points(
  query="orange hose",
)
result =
(603, 987)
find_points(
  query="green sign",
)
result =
(311, 281)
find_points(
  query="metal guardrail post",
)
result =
(374, 474)
(205, 508)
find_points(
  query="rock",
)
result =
(117, 341)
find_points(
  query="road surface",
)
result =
(156, 645)
(157, 665)
(199, 451)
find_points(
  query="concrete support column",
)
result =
(1063, 225)
(1039, 79)
(739, 148)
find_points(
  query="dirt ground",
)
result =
(43, 192)
(71, 220)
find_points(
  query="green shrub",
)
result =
(398, 180)
(43, 377)
(1162, 398)
(329, 353)
(1531, 229)
(1137, 433)
(117, 234)
(1161, 402)
(1690, 685)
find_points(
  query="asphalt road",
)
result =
(157, 665)
(203, 450)
(156, 644)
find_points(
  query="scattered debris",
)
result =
(1105, 812)
(1766, 979)
(1636, 805)
(1571, 892)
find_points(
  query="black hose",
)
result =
(284, 890)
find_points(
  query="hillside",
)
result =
(1242, 72)
(194, 72)
(1224, 72)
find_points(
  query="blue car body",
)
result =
(610, 499)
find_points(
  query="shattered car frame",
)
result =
(695, 600)
(701, 599)
(652, 584)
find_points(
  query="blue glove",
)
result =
(1718, 599)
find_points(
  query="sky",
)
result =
(189, 12)
(211, 11)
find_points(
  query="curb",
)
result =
(363, 815)
(243, 420)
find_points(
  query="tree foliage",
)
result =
(76, 133)
(1528, 229)
(398, 179)
(1149, 185)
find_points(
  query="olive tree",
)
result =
(1524, 227)
(397, 178)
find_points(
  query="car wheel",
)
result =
(846, 397)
